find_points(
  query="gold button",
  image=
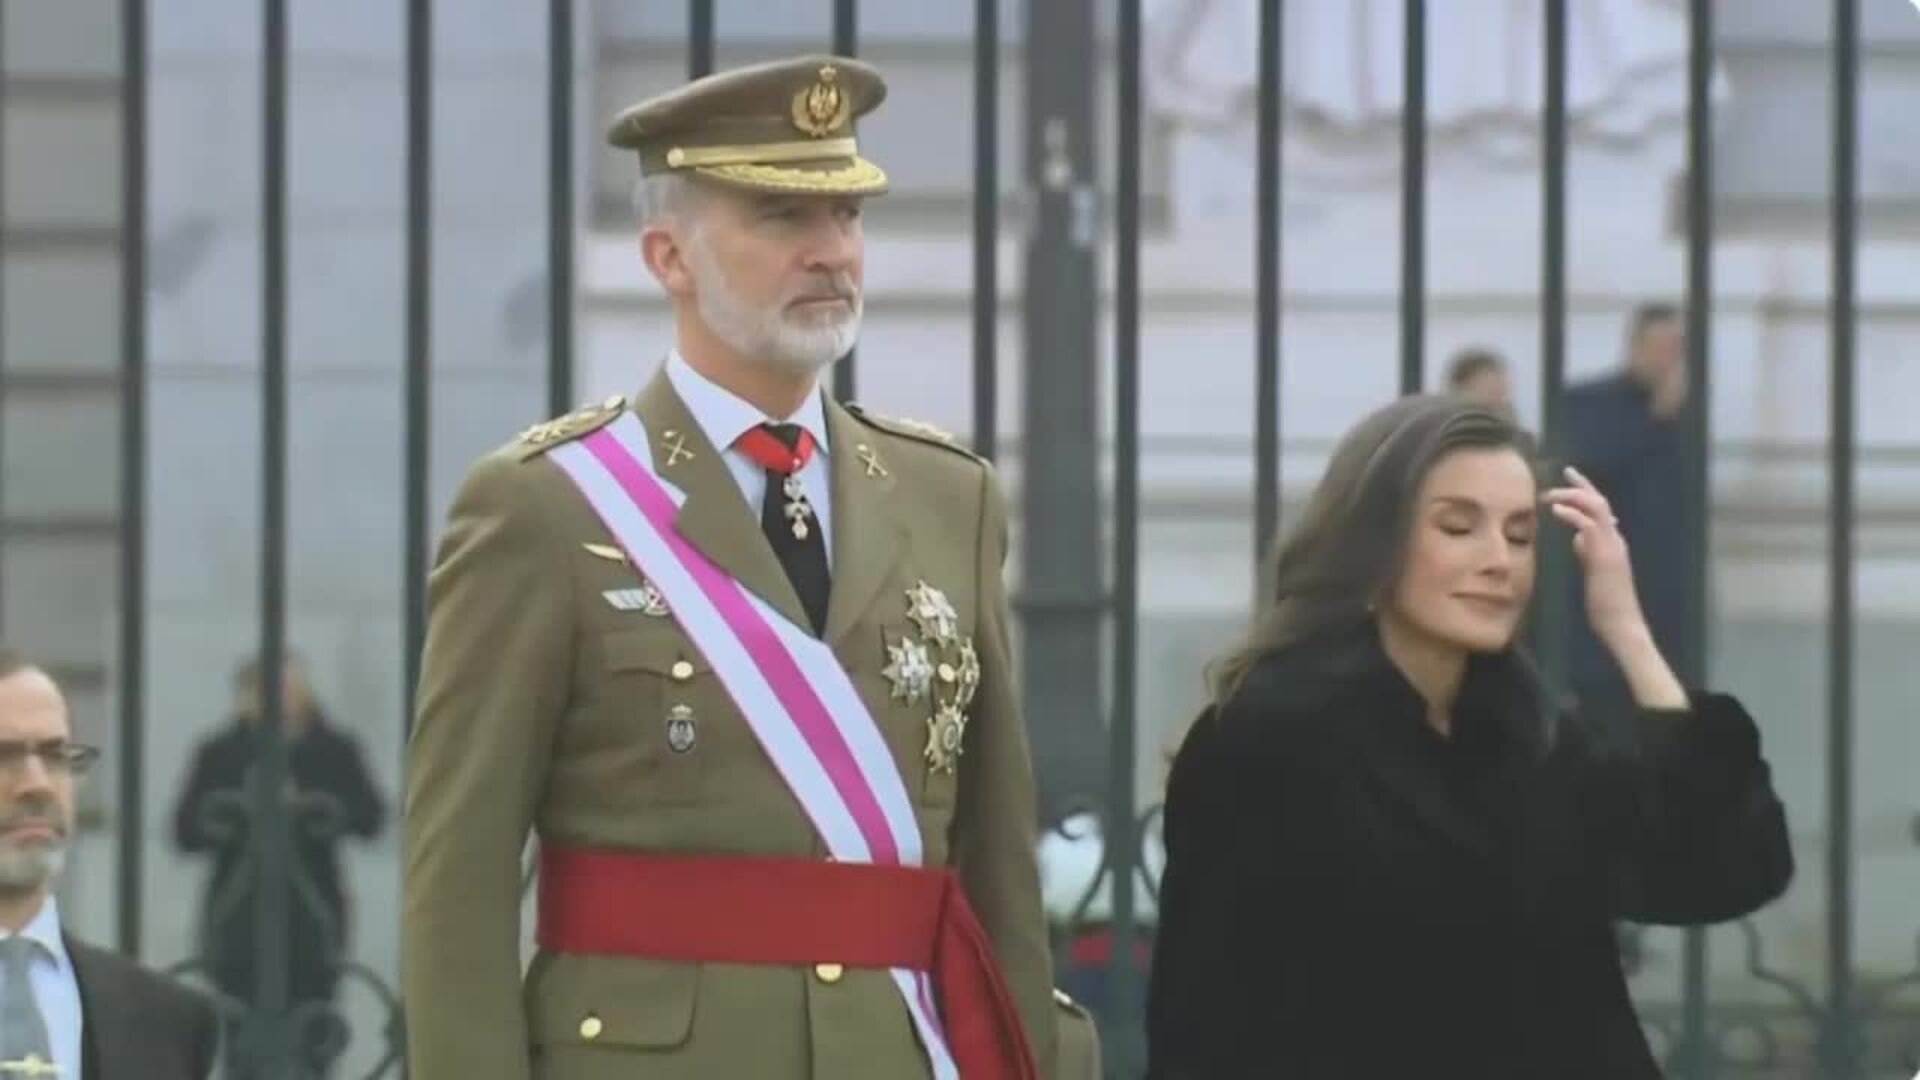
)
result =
(591, 1027)
(828, 973)
(682, 670)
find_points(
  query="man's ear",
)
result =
(664, 253)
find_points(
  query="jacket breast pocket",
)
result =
(664, 693)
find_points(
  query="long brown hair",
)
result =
(1347, 549)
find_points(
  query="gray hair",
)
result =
(663, 196)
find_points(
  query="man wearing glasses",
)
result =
(69, 1011)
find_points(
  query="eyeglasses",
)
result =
(58, 755)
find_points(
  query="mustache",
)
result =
(837, 287)
(44, 815)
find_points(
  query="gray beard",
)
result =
(767, 337)
(22, 870)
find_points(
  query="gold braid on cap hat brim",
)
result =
(858, 175)
(693, 157)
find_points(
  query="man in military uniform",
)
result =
(738, 656)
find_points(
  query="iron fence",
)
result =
(1699, 1037)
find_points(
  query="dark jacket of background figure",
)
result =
(326, 764)
(1639, 462)
(139, 1025)
(1349, 894)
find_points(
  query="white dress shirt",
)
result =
(724, 416)
(55, 988)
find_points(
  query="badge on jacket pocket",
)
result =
(680, 729)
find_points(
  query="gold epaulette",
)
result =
(918, 430)
(548, 434)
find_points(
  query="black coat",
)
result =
(328, 766)
(1639, 462)
(1349, 894)
(137, 1024)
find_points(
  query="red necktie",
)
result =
(780, 448)
(786, 515)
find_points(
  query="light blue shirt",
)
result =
(724, 416)
(55, 987)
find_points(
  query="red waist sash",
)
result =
(747, 910)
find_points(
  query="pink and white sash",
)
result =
(787, 683)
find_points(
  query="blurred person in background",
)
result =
(1480, 374)
(329, 795)
(1623, 432)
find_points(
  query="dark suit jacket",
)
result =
(1349, 894)
(138, 1024)
(329, 766)
(1638, 461)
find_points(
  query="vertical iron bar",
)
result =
(1842, 1059)
(133, 471)
(272, 836)
(1553, 220)
(1267, 209)
(1413, 201)
(1063, 597)
(846, 27)
(559, 206)
(419, 359)
(1556, 565)
(1697, 417)
(4, 230)
(1121, 843)
(846, 42)
(986, 227)
(699, 38)
(1699, 1059)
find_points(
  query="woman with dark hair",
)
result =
(1387, 853)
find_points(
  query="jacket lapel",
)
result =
(868, 539)
(100, 997)
(714, 517)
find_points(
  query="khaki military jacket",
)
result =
(547, 686)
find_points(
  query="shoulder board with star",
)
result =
(918, 430)
(548, 434)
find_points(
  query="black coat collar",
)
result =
(1345, 678)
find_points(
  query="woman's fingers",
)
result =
(1590, 501)
(1573, 515)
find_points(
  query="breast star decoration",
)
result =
(940, 668)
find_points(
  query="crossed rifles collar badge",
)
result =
(941, 668)
(31, 1065)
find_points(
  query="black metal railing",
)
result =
(418, 357)
(306, 1035)
(131, 744)
(271, 1023)
(1701, 1038)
